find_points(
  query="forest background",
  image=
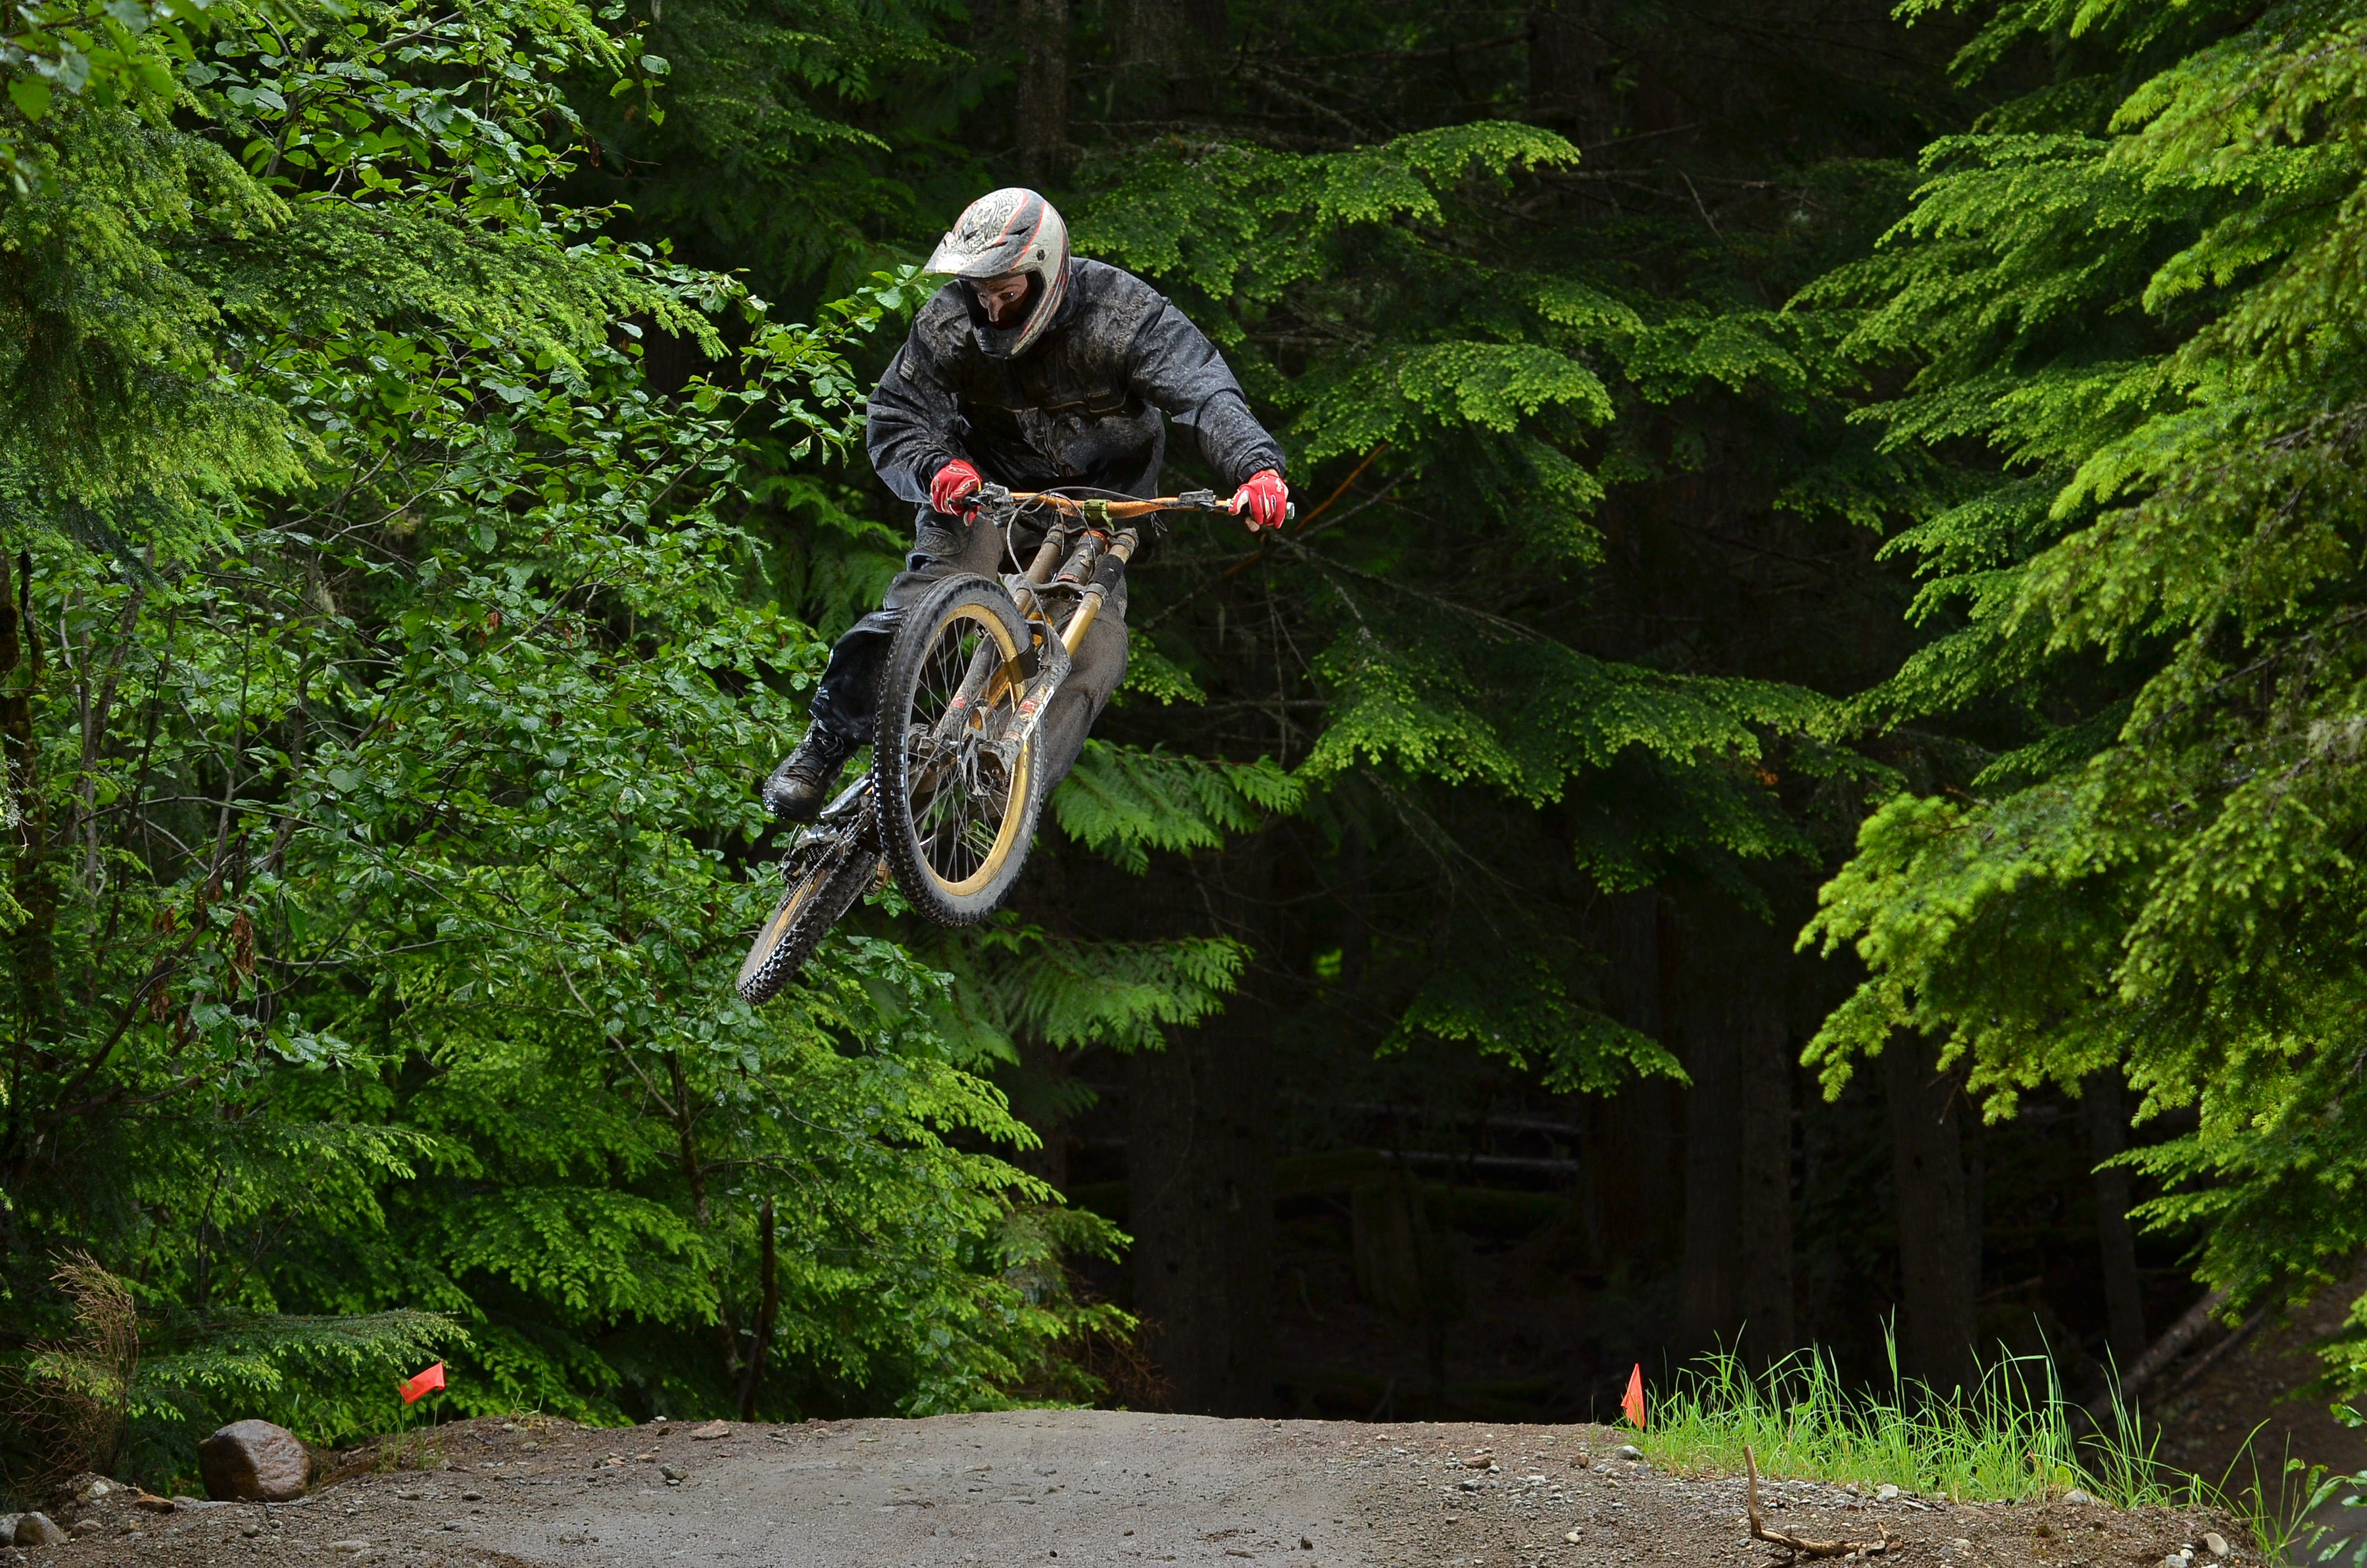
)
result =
(1742, 450)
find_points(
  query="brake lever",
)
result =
(1209, 501)
(989, 499)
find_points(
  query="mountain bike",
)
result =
(948, 806)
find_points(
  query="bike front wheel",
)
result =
(954, 781)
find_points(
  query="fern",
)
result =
(1070, 995)
(1123, 802)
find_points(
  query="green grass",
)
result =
(2014, 1437)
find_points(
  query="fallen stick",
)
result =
(2217, 1353)
(2173, 1344)
(1797, 1544)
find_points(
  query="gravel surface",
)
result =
(1076, 1486)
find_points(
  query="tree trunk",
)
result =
(1976, 1181)
(768, 1310)
(1565, 55)
(1200, 1182)
(2107, 1136)
(1034, 1101)
(702, 1216)
(1707, 1295)
(1201, 1207)
(30, 943)
(1929, 1172)
(1355, 909)
(1763, 1081)
(32, 952)
(1633, 1168)
(1162, 54)
(1042, 101)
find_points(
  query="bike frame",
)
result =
(1085, 552)
(1084, 549)
(1098, 549)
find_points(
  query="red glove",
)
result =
(1264, 497)
(953, 481)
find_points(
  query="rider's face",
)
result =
(1001, 297)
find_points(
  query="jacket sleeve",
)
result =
(913, 425)
(1175, 368)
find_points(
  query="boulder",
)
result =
(8, 1528)
(35, 1530)
(254, 1461)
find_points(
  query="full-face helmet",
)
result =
(1002, 234)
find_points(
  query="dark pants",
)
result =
(948, 546)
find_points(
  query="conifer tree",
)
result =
(2129, 297)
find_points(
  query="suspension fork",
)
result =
(985, 662)
(1106, 570)
(1105, 577)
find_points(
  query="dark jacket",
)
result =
(1082, 407)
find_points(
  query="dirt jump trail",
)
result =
(1071, 1487)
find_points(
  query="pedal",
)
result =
(882, 878)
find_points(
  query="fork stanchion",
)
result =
(1047, 556)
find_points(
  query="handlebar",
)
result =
(1097, 510)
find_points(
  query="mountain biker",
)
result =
(1033, 369)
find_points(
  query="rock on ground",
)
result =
(250, 1462)
(1063, 1489)
(35, 1530)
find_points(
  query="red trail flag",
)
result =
(433, 1378)
(1633, 1405)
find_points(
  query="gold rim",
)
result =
(1003, 686)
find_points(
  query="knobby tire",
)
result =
(954, 855)
(809, 905)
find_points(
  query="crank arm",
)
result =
(849, 804)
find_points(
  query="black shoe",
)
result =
(801, 785)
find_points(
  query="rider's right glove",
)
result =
(953, 481)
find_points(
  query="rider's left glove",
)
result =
(1263, 500)
(953, 482)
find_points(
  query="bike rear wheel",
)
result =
(820, 890)
(956, 791)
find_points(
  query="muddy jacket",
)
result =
(1082, 407)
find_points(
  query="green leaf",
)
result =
(30, 94)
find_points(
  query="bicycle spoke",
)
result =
(956, 815)
(953, 773)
